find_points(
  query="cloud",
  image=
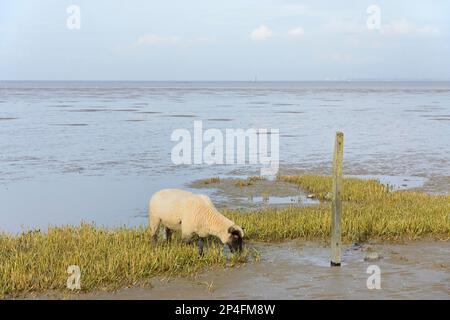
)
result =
(348, 58)
(403, 27)
(261, 33)
(341, 57)
(154, 40)
(428, 30)
(398, 27)
(296, 32)
(342, 26)
(287, 10)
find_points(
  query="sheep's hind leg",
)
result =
(155, 239)
(168, 234)
(154, 225)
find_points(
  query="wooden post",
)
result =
(336, 204)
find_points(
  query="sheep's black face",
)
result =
(235, 240)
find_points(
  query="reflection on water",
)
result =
(396, 182)
(104, 133)
(293, 200)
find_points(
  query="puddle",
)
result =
(70, 124)
(283, 104)
(287, 136)
(258, 102)
(360, 110)
(440, 119)
(181, 116)
(87, 110)
(124, 110)
(238, 193)
(293, 200)
(150, 112)
(396, 182)
(291, 112)
(234, 191)
(435, 115)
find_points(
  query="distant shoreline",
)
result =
(238, 81)
(231, 85)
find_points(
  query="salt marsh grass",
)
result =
(243, 183)
(354, 189)
(371, 211)
(248, 182)
(210, 181)
(37, 261)
(255, 178)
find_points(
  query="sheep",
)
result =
(193, 214)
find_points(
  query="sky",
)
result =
(232, 40)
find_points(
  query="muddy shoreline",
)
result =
(238, 193)
(300, 270)
(420, 181)
(242, 190)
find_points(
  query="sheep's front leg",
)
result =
(188, 238)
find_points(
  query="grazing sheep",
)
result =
(193, 214)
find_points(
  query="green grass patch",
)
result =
(255, 178)
(248, 182)
(243, 183)
(210, 181)
(108, 258)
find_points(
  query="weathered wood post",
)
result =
(336, 204)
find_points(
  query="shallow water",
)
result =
(271, 200)
(259, 194)
(396, 182)
(97, 151)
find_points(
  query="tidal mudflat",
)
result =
(300, 270)
(95, 152)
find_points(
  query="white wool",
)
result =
(191, 213)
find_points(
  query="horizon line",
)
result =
(247, 81)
